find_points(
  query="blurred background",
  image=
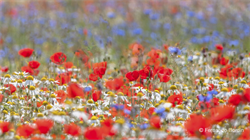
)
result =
(110, 26)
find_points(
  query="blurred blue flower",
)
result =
(147, 11)
(167, 26)
(207, 98)
(212, 92)
(126, 111)
(190, 58)
(39, 41)
(154, 16)
(213, 20)
(8, 39)
(234, 42)
(206, 39)
(2, 53)
(174, 50)
(153, 35)
(137, 31)
(111, 15)
(144, 126)
(190, 13)
(52, 23)
(87, 89)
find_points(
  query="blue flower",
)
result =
(190, 58)
(147, 11)
(190, 13)
(174, 50)
(126, 111)
(207, 98)
(137, 31)
(118, 107)
(213, 92)
(110, 14)
(87, 89)
(144, 126)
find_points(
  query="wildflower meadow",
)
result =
(124, 69)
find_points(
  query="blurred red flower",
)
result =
(44, 125)
(34, 64)
(72, 129)
(58, 58)
(26, 52)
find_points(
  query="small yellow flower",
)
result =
(235, 86)
(173, 87)
(94, 118)
(52, 96)
(49, 106)
(221, 101)
(120, 121)
(224, 90)
(45, 103)
(5, 112)
(6, 76)
(32, 88)
(62, 113)
(120, 94)
(140, 94)
(90, 101)
(40, 115)
(30, 78)
(17, 137)
(243, 82)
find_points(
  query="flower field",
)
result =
(124, 69)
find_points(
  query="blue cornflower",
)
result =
(190, 58)
(137, 31)
(174, 50)
(213, 92)
(87, 89)
(110, 14)
(207, 98)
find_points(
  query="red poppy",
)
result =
(63, 78)
(93, 77)
(61, 96)
(5, 127)
(96, 95)
(75, 90)
(106, 128)
(58, 58)
(136, 48)
(93, 133)
(34, 64)
(1, 97)
(175, 99)
(72, 129)
(195, 124)
(245, 135)
(68, 65)
(26, 52)
(100, 68)
(11, 87)
(246, 95)
(219, 47)
(154, 53)
(44, 125)
(27, 69)
(223, 61)
(164, 78)
(114, 84)
(155, 122)
(132, 76)
(221, 113)
(236, 73)
(146, 72)
(25, 130)
(235, 99)
(5, 69)
(147, 113)
(39, 104)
